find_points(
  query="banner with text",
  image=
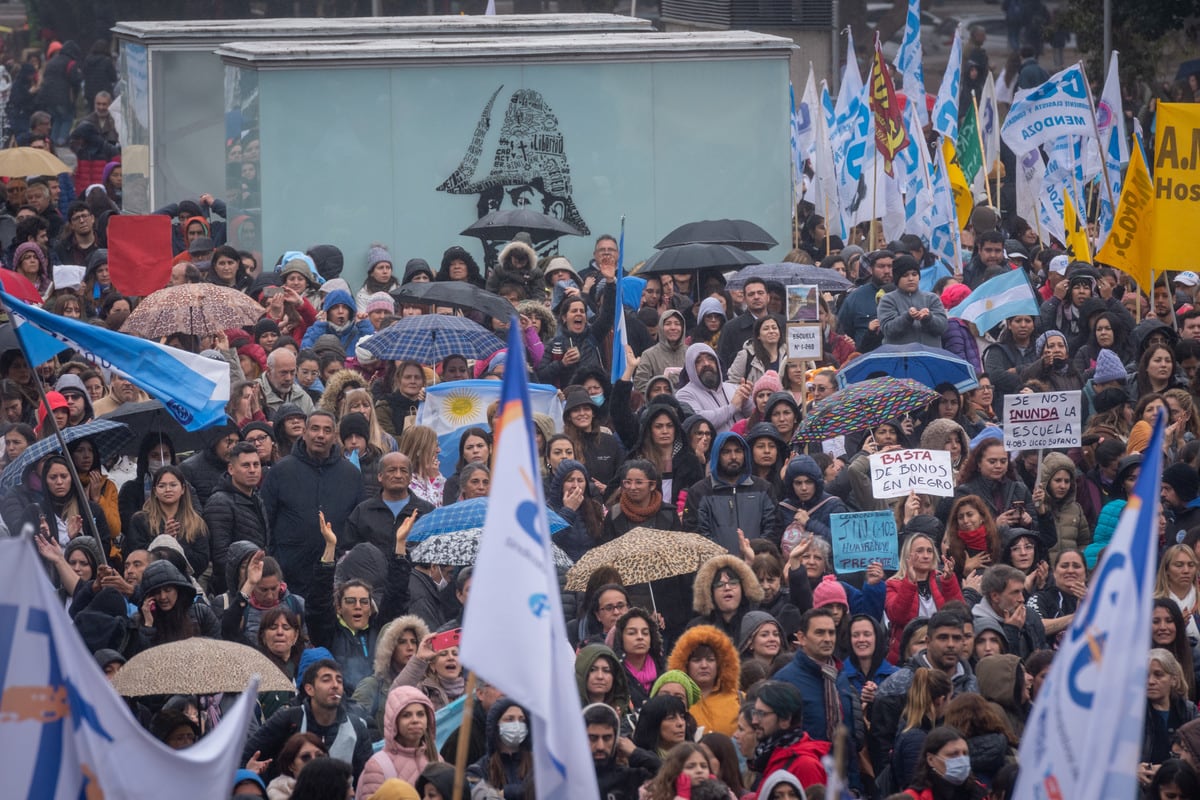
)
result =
(862, 538)
(1176, 183)
(1036, 421)
(896, 473)
(804, 323)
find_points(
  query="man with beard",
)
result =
(616, 782)
(782, 741)
(705, 393)
(669, 353)
(731, 501)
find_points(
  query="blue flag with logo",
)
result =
(514, 634)
(194, 389)
(620, 337)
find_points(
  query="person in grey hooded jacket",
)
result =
(670, 352)
(705, 393)
(909, 315)
(731, 498)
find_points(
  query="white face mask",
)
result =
(513, 733)
(442, 581)
(156, 464)
(958, 768)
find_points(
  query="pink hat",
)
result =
(828, 592)
(769, 381)
(954, 294)
(381, 301)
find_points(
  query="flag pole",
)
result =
(84, 509)
(1102, 146)
(987, 188)
(464, 736)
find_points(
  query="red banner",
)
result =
(139, 253)
(890, 134)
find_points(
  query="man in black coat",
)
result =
(375, 520)
(314, 478)
(235, 510)
(738, 330)
(604, 738)
(205, 468)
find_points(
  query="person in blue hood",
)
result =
(340, 311)
(805, 499)
(731, 498)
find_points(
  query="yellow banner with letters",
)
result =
(1131, 245)
(1176, 186)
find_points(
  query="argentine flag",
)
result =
(1004, 296)
(450, 408)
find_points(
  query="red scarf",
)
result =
(974, 539)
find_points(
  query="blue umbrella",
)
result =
(461, 516)
(108, 436)
(430, 338)
(930, 366)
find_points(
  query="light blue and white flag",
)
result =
(853, 144)
(450, 408)
(805, 121)
(514, 634)
(1030, 172)
(946, 240)
(918, 189)
(945, 110)
(65, 734)
(1084, 734)
(620, 337)
(1111, 194)
(995, 300)
(1059, 107)
(910, 60)
(194, 389)
(989, 132)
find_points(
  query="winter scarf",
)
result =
(640, 514)
(833, 703)
(765, 748)
(974, 539)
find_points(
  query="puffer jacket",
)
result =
(717, 508)
(354, 650)
(1072, 524)
(1106, 525)
(590, 341)
(531, 279)
(371, 694)
(959, 340)
(718, 711)
(204, 471)
(395, 760)
(231, 517)
(349, 335)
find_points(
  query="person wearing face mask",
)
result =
(1053, 366)
(594, 445)
(944, 769)
(507, 768)
(155, 452)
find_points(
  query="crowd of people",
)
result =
(287, 529)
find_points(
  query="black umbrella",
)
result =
(1188, 68)
(791, 275)
(8, 337)
(150, 417)
(504, 225)
(735, 232)
(687, 257)
(459, 294)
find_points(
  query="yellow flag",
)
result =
(964, 200)
(1176, 184)
(1130, 246)
(1077, 241)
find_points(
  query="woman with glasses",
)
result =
(297, 751)
(980, 411)
(724, 590)
(700, 435)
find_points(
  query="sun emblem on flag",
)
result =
(462, 407)
(989, 304)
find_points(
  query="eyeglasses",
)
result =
(257, 439)
(757, 713)
(703, 435)
(304, 758)
(356, 601)
(727, 583)
(613, 608)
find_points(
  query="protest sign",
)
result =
(863, 537)
(1176, 183)
(898, 472)
(1037, 421)
(804, 341)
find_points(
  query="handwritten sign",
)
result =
(863, 537)
(896, 473)
(804, 341)
(1047, 420)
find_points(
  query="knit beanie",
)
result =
(265, 325)
(954, 294)
(376, 255)
(1184, 479)
(354, 424)
(1108, 368)
(828, 592)
(381, 301)
(768, 382)
(683, 679)
(1045, 337)
(255, 353)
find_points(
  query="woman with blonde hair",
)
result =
(1167, 707)
(923, 710)
(1177, 582)
(359, 401)
(420, 444)
(169, 510)
(919, 588)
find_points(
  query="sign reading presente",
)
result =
(1037, 421)
(863, 537)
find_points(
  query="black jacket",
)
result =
(233, 517)
(203, 470)
(425, 601)
(62, 76)
(295, 490)
(372, 521)
(354, 651)
(590, 342)
(270, 737)
(138, 537)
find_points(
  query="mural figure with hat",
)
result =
(529, 169)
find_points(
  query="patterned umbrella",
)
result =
(108, 436)
(736, 232)
(200, 309)
(645, 554)
(863, 405)
(792, 275)
(930, 366)
(199, 666)
(461, 516)
(460, 548)
(430, 338)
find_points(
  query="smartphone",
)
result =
(1018, 506)
(444, 641)
(271, 291)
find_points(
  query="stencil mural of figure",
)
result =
(529, 169)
